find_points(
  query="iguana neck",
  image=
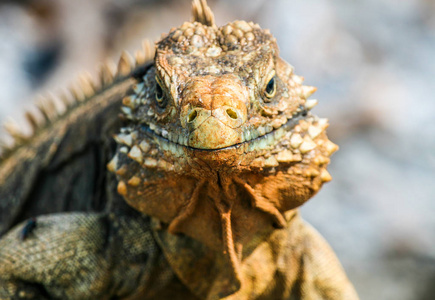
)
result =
(209, 273)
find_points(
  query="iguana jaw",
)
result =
(251, 139)
(256, 143)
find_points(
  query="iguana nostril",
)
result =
(232, 114)
(192, 116)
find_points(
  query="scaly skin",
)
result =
(219, 148)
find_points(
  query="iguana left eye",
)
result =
(270, 89)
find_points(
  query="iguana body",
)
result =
(216, 150)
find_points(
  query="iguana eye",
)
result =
(270, 89)
(159, 94)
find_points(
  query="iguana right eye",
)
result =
(159, 94)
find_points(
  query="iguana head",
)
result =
(220, 140)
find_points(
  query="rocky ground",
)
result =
(373, 62)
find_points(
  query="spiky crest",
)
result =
(50, 109)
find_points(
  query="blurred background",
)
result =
(373, 62)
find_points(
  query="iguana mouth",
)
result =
(253, 138)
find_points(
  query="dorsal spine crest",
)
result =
(48, 111)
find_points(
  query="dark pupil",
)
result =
(159, 92)
(270, 86)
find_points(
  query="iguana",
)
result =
(190, 193)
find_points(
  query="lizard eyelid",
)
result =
(270, 89)
(160, 95)
(159, 92)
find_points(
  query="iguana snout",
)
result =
(213, 109)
